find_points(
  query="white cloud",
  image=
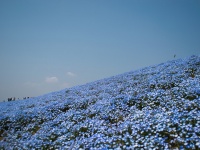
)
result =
(70, 74)
(51, 80)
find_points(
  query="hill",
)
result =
(157, 107)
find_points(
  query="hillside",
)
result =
(157, 107)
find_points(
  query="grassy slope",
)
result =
(155, 107)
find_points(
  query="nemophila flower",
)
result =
(151, 108)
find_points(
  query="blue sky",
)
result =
(48, 45)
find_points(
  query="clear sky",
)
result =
(49, 45)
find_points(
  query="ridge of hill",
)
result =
(157, 107)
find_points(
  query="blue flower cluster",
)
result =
(157, 107)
